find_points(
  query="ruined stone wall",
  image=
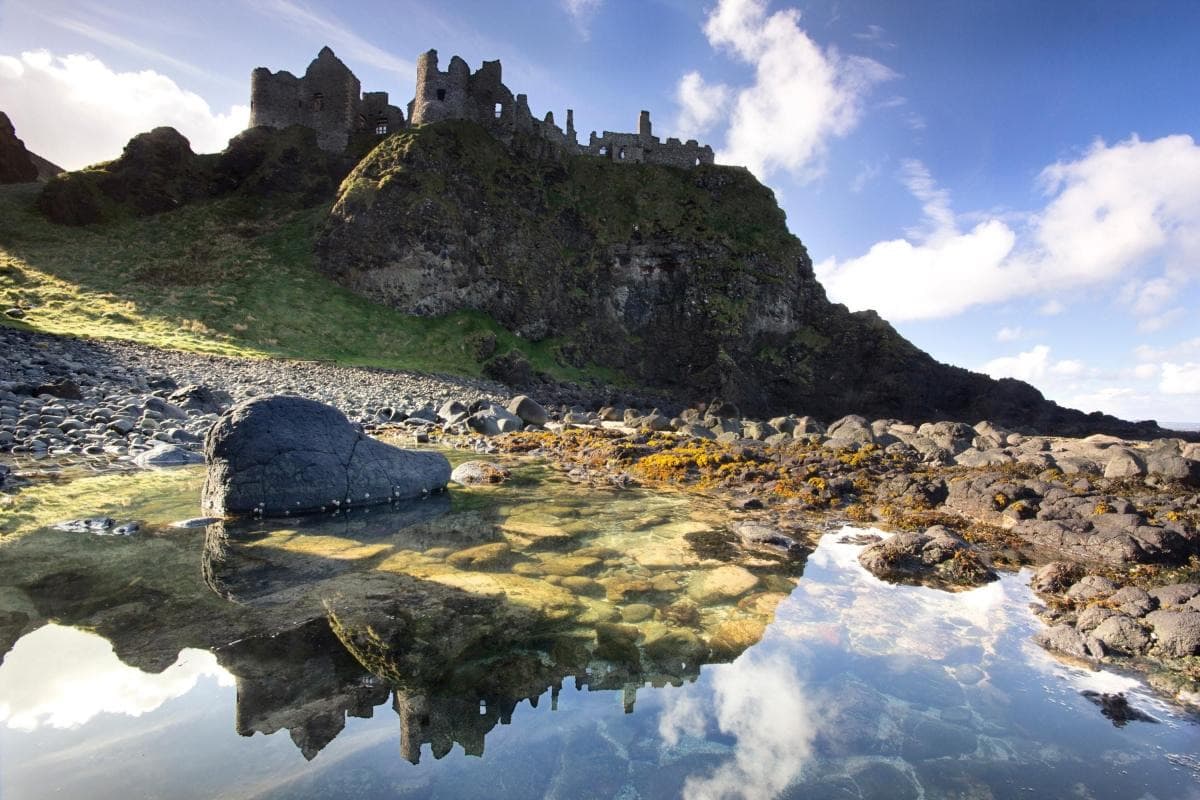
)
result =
(328, 99)
(645, 148)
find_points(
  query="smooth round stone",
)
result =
(637, 612)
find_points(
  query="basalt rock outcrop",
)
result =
(16, 163)
(686, 280)
(284, 454)
(158, 172)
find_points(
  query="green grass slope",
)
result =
(230, 277)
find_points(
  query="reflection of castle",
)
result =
(329, 100)
(306, 682)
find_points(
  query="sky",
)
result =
(1014, 185)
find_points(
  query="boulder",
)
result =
(1177, 594)
(1119, 633)
(848, 429)
(1062, 638)
(1124, 463)
(282, 454)
(1177, 633)
(1091, 587)
(492, 420)
(1133, 600)
(530, 412)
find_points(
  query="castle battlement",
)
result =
(329, 99)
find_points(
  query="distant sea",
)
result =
(1180, 426)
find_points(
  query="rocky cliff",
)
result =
(684, 280)
(16, 163)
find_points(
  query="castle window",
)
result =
(697, 161)
(499, 110)
(621, 153)
(603, 149)
(441, 94)
(318, 101)
(381, 129)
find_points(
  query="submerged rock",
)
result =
(167, 455)
(471, 473)
(282, 454)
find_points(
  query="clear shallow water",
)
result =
(852, 689)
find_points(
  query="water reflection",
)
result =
(63, 677)
(515, 626)
(761, 703)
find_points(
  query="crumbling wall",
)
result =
(645, 148)
(328, 99)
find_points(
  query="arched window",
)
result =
(318, 101)
(621, 153)
(499, 110)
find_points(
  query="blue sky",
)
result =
(1015, 185)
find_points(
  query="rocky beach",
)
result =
(1110, 524)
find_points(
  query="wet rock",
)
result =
(482, 557)
(65, 388)
(860, 538)
(282, 454)
(1091, 587)
(167, 455)
(1062, 638)
(936, 557)
(722, 583)
(1121, 634)
(1177, 633)
(88, 525)
(492, 420)
(472, 473)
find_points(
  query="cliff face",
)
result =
(686, 280)
(16, 163)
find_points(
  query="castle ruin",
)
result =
(329, 99)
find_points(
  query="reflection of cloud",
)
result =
(62, 677)
(683, 715)
(759, 701)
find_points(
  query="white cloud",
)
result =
(582, 12)
(760, 702)
(1181, 351)
(1033, 366)
(1116, 212)
(1180, 378)
(866, 174)
(62, 677)
(1007, 334)
(76, 111)
(802, 95)
(701, 105)
(1145, 372)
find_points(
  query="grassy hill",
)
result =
(231, 276)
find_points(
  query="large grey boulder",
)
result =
(1176, 632)
(282, 454)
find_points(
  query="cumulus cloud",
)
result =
(1117, 212)
(802, 95)
(84, 678)
(701, 105)
(76, 111)
(1033, 366)
(1007, 334)
(760, 702)
(1180, 378)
